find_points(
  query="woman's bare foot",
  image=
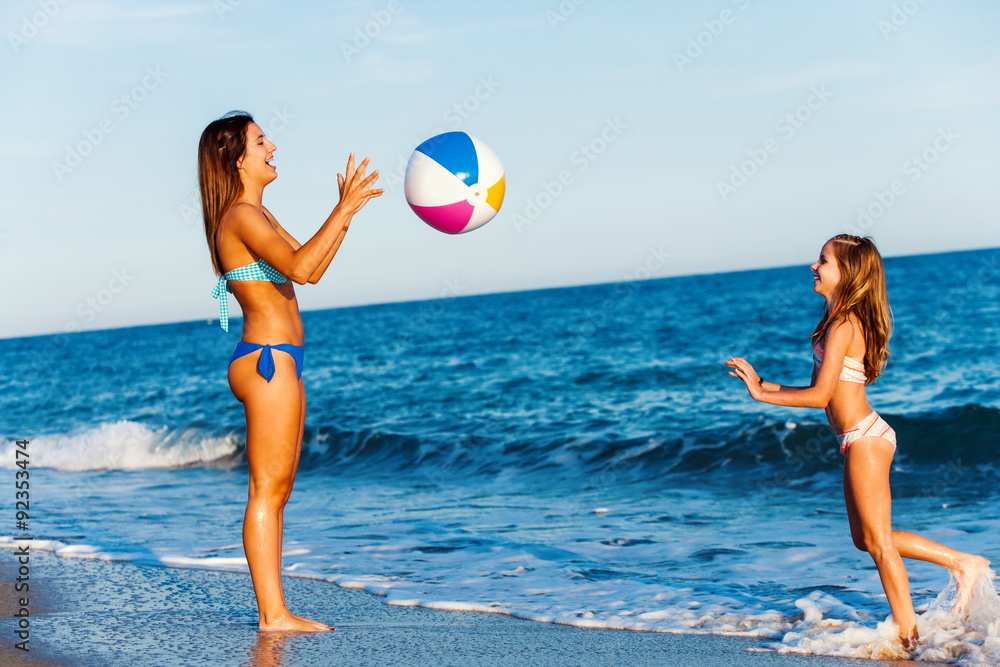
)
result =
(306, 620)
(910, 638)
(966, 574)
(289, 622)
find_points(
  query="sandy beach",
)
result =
(87, 613)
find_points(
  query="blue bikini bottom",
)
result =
(266, 362)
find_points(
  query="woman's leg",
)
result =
(274, 414)
(869, 506)
(295, 467)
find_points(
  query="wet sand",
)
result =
(87, 613)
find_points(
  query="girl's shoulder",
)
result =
(849, 324)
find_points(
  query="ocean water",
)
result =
(575, 456)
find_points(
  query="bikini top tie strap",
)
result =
(259, 270)
(219, 293)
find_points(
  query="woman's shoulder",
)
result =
(242, 219)
(241, 213)
(233, 251)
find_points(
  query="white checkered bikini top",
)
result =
(259, 270)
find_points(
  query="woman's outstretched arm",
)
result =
(318, 273)
(305, 262)
(314, 278)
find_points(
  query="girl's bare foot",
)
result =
(966, 574)
(289, 622)
(909, 639)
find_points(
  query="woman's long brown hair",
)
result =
(222, 145)
(861, 293)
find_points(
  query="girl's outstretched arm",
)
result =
(774, 386)
(824, 382)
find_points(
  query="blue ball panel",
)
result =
(455, 152)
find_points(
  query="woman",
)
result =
(849, 351)
(258, 261)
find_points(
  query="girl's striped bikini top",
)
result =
(259, 270)
(853, 370)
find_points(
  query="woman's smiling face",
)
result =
(255, 165)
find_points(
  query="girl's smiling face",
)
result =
(826, 272)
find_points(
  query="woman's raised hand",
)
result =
(355, 188)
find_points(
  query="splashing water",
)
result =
(971, 639)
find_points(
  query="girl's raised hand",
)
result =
(355, 188)
(744, 371)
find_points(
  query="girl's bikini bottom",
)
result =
(872, 425)
(265, 364)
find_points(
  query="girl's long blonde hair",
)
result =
(222, 145)
(861, 293)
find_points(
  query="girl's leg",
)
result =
(274, 413)
(965, 567)
(869, 505)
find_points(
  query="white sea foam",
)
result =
(970, 639)
(122, 445)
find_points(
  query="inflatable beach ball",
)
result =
(454, 183)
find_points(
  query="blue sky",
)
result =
(639, 139)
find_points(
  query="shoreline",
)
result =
(86, 612)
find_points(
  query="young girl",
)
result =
(257, 261)
(849, 351)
